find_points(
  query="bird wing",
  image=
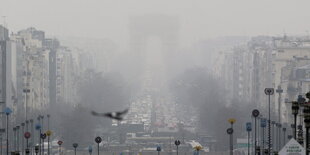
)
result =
(122, 112)
(97, 114)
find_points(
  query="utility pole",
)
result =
(269, 92)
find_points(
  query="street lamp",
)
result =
(48, 133)
(255, 114)
(231, 121)
(7, 111)
(295, 109)
(269, 91)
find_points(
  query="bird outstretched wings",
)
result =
(113, 115)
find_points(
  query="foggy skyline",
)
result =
(198, 19)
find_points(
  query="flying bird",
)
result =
(113, 115)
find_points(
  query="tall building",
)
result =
(268, 62)
(66, 74)
(52, 45)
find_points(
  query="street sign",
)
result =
(158, 148)
(27, 151)
(230, 131)
(27, 135)
(292, 147)
(90, 149)
(75, 145)
(255, 113)
(43, 135)
(248, 126)
(7, 111)
(38, 126)
(231, 120)
(48, 132)
(269, 91)
(98, 140)
(263, 123)
(2, 130)
(36, 149)
(177, 142)
(59, 142)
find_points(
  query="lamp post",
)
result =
(231, 121)
(255, 114)
(7, 111)
(295, 109)
(48, 133)
(269, 91)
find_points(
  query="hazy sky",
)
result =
(198, 18)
